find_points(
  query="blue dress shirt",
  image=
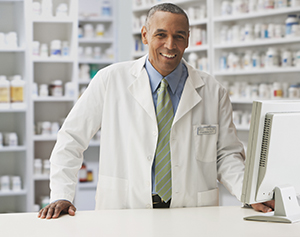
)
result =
(176, 80)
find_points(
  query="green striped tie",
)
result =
(164, 113)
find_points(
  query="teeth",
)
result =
(168, 55)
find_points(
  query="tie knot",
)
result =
(164, 83)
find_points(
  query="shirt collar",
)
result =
(155, 77)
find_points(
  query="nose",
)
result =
(170, 43)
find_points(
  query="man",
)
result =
(126, 101)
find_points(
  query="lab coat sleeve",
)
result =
(83, 121)
(230, 154)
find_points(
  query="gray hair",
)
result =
(165, 7)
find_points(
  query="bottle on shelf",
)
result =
(37, 166)
(83, 173)
(106, 8)
(291, 21)
(4, 92)
(16, 183)
(62, 10)
(47, 8)
(46, 167)
(17, 92)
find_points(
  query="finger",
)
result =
(57, 211)
(44, 212)
(40, 213)
(261, 207)
(50, 212)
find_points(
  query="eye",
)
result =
(179, 37)
(160, 35)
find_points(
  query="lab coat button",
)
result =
(149, 157)
(154, 133)
(148, 206)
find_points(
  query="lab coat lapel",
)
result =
(140, 88)
(190, 97)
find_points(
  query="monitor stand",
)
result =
(287, 209)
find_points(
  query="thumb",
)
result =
(72, 211)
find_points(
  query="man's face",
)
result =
(167, 37)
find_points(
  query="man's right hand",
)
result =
(53, 210)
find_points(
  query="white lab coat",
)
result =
(119, 102)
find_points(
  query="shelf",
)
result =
(95, 40)
(265, 42)
(12, 148)
(41, 138)
(96, 19)
(198, 22)
(53, 60)
(11, 0)
(250, 101)
(13, 110)
(270, 12)
(257, 71)
(84, 82)
(137, 9)
(53, 99)
(240, 101)
(41, 19)
(96, 61)
(13, 193)
(13, 50)
(41, 177)
(196, 48)
(82, 185)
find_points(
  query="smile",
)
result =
(169, 55)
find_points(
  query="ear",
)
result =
(144, 35)
(187, 43)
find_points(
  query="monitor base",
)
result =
(287, 209)
(270, 217)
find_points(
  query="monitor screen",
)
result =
(273, 157)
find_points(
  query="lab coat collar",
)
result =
(194, 76)
(142, 93)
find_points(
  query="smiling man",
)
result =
(166, 130)
(167, 35)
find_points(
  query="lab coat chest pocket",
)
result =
(206, 138)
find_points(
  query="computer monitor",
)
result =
(272, 169)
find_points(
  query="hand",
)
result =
(264, 207)
(54, 209)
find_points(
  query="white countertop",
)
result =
(183, 222)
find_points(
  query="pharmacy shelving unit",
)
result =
(253, 76)
(91, 12)
(44, 70)
(13, 160)
(202, 50)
